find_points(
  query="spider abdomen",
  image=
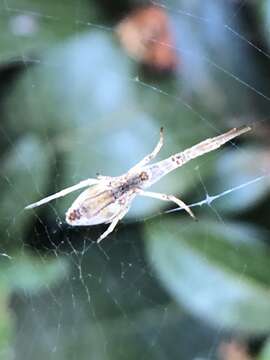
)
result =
(93, 206)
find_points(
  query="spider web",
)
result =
(108, 301)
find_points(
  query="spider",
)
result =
(108, 199)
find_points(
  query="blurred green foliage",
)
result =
(219, 271)
(73, 104)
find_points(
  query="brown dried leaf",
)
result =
(146, 36)
(233, 351)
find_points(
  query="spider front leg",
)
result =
(64, 192)
(150, 156)
(165, 197)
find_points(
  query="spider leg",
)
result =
(110, 229)
(128, 198)
(150, 156)
(112, 225)
(64, 192)
(165, 197)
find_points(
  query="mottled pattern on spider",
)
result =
(108, 199)
(129, 183)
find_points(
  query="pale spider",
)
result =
(110, 198)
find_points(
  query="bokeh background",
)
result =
(85, 86)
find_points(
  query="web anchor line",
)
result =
(211, 198)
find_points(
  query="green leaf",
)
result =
(219, 272)
(265, 353)
(234, 169)
(28, 26)
(25, 272)
(7, 327)
(263, 9)
(80, 83)
(23, 176)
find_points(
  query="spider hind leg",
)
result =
(165, 197)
